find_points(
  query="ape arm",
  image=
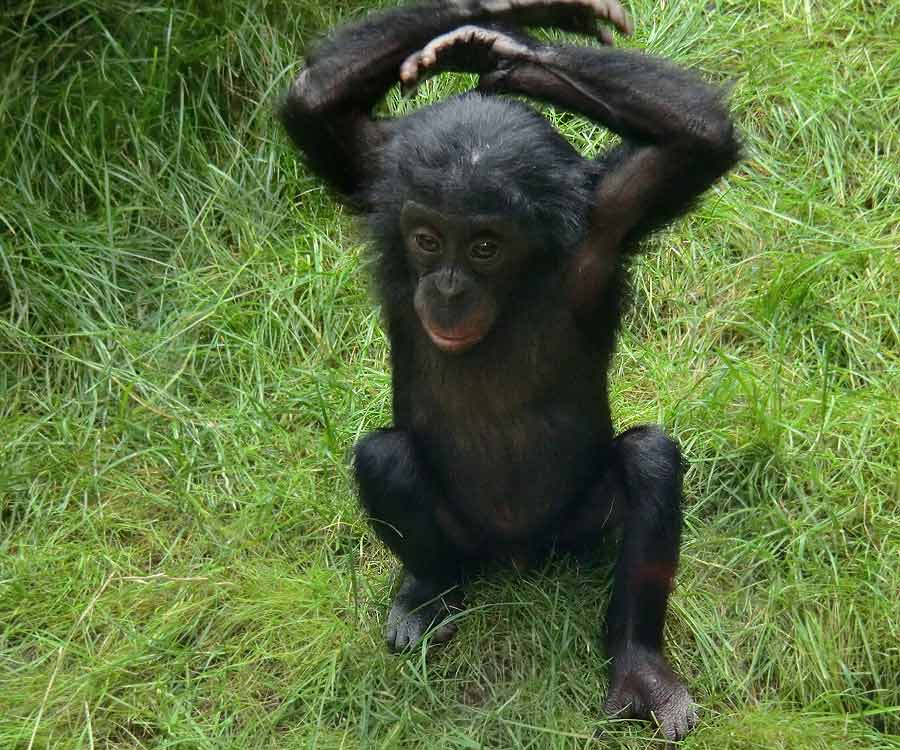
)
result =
(327, 111)
(678, 137)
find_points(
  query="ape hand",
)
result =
(468, 49)
(579, 16)
(477, 49)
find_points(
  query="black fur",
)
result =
(502, 447)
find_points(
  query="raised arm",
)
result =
(327, 110)
(677, 135)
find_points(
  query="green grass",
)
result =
(188, 349)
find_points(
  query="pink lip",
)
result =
(453, 345)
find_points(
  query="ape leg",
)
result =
(640, 492)
(642, 685)
(400, 499)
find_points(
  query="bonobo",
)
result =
(500, 260)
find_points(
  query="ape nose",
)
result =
(448, 285)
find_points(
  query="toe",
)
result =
(400, 633)
(407, 637)
(620, 705)
(444, 633)
(676, 717)
(392, 639)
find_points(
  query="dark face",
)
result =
(463, 266)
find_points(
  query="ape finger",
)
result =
(468, 49)
(569, 15)
(604, 36)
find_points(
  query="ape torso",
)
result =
(502, 441)
(513, 428)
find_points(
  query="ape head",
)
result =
(476, 194)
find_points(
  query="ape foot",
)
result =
(643, 686)
(417, 607)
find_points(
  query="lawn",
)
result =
(188, 348)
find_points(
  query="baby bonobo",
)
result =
(500, 260)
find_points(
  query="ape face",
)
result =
(463, 268)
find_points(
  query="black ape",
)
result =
(501, 261)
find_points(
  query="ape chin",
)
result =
(500, 260)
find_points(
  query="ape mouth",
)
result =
(453, 342)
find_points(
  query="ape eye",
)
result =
(484, 250)
(427, 243)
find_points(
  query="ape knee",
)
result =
(384, 464)
(376, 454)
(651, 454)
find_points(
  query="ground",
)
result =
(188, 349)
